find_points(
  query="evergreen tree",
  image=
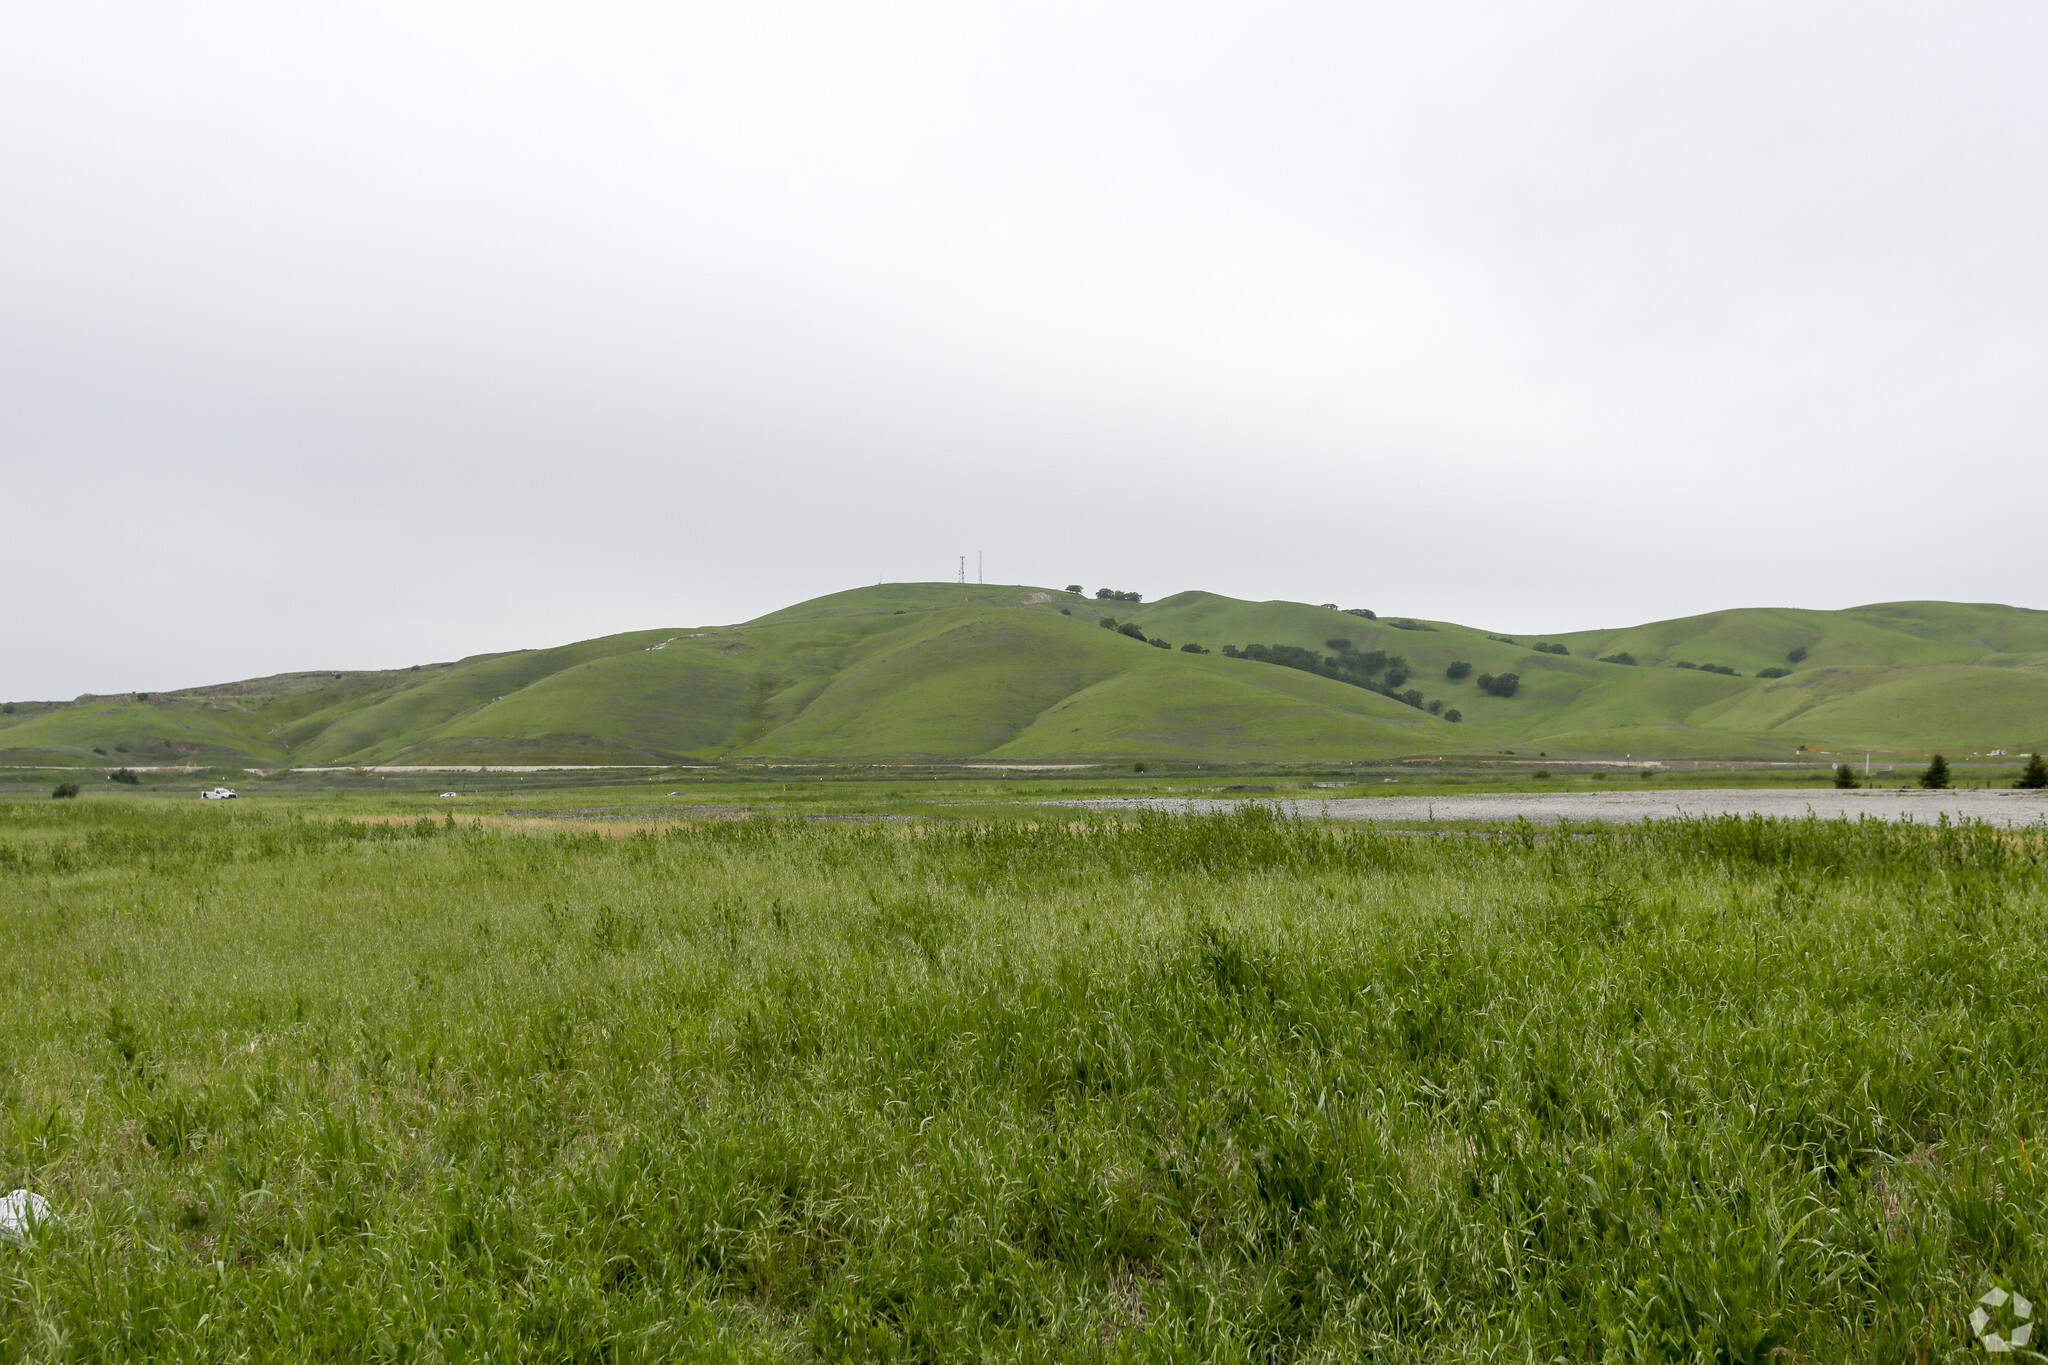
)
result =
(1936, 777)
(2035, 775)
(1845, 776)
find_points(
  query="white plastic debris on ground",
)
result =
(20, 1212)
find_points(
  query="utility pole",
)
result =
(977, 567)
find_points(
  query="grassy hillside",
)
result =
(1907, 676)
(955, 671)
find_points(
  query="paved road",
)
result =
(1998, 807)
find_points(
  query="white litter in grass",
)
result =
(20, 1212)
(447, 793)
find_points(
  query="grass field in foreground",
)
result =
(305, 1087)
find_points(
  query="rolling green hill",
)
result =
(916, 671)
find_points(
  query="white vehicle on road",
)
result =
(218, 794)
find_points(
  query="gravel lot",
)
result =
(1998, 807)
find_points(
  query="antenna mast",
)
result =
(977, 567)
(963, 568)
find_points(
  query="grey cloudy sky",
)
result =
(359, 335)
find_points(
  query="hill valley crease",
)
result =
(944, 671)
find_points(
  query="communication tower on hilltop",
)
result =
(963, 568)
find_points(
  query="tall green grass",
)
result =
(1230, 1088)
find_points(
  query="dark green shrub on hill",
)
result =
(1502, 685)
(1107, 623)
(1458, 671)
(64, 791)
(1454, 715)
(1542, 648)
(1375, 670)
(1413, 698)
(1934, 777)
(1622, 658)
(2034, 776)
(1798, 655)
(1159, 644)
(1130, 628)
(125, 776)
(1074, 588)
(1192, 648)
(1339, 646)
(1435, 707)
(1366, 612)
(1774, 672)
(1683, 663)
(1404, 623)
(1722, 669)
(1845, 777)
(1112, 595)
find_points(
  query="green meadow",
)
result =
(942, 672)
(331, 1078)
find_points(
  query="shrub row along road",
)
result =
(1997, 807)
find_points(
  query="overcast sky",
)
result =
(369, 334)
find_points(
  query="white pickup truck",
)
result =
(218, 794)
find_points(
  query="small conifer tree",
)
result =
(1845, 777)
(2035, 775)
(1935, 778)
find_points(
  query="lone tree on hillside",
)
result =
(1936, 776)
(2035, 775)
(1458, 671)
(1074, 588)
(64, 791)
(1797, 656)
(1845, 776)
